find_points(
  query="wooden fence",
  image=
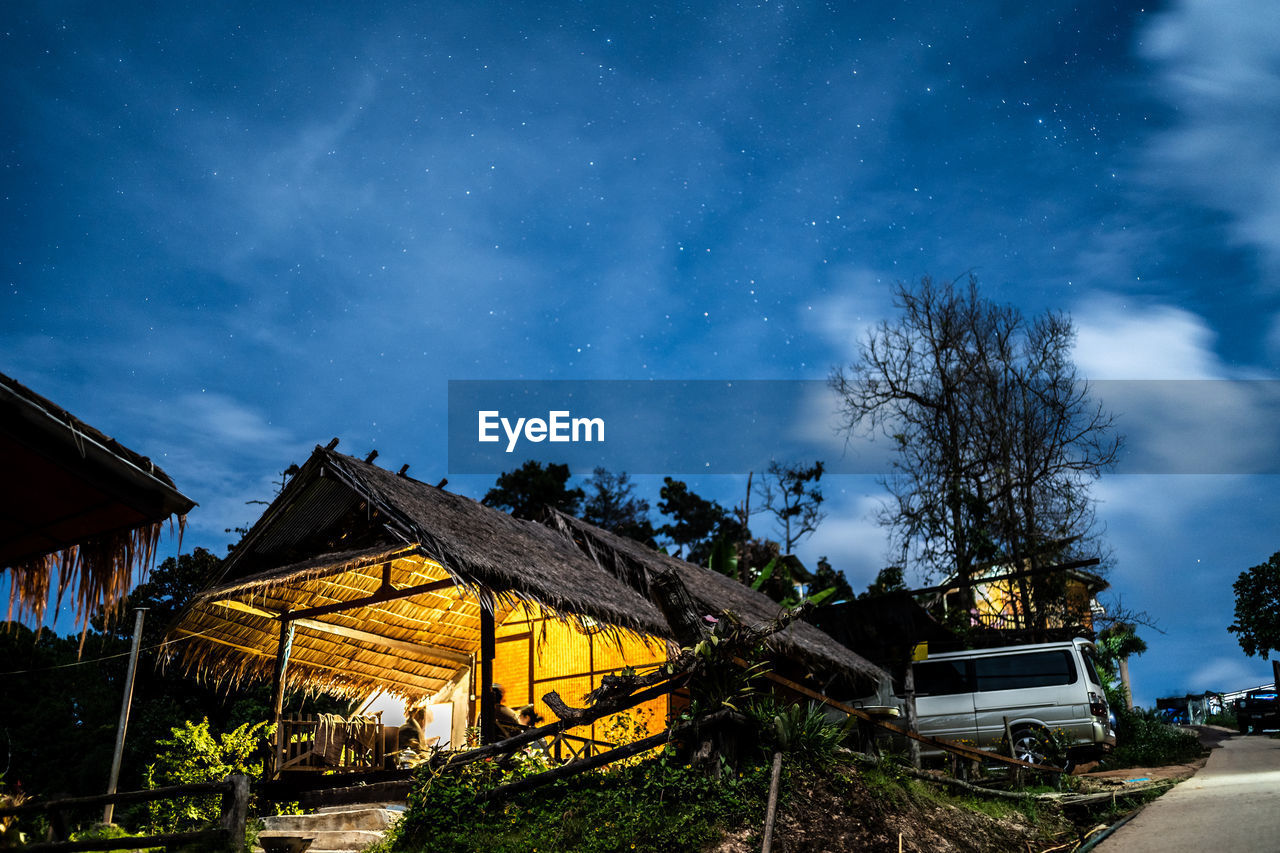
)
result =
(228, 834)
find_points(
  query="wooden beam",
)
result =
(451, 655)
(488, 707)
(378, 597)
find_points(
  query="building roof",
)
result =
(343, 529)
(635, 564)
(81, 506)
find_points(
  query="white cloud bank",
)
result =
(1217, 63)
(1119, 339)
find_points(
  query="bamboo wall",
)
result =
(536, 654)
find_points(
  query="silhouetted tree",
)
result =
(792, 495)
(1257, 622)
(696, 523)
(889, 579)
(525, 491)
(826, 577)
(611, 503)
(997, 438)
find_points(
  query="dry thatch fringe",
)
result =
(98, 573)
(638, 564)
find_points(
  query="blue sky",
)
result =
(232, 231)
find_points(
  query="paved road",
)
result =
(1233, 805)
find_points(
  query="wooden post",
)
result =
(1013, 753)
(108, 811)
(772, 811)
(488, 648)
(59, 827)
(283, 648)
(909, 700)
(235, 810)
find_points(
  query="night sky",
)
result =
(228, 234)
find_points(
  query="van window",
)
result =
(941, 678)
(1012, 672)
(1090, 665)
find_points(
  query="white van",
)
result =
(1039, 689)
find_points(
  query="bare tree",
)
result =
(792, 495)
(997, 437)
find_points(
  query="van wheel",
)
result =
(1032, 745)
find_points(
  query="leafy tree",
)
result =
(59, 709)
(166, 592)
(791, 494)
(826, 577)
(611, 503)
(525, 491)
(1257, 622)
(997, 438)
(781, 577)
(696, 523)
(889, 579)
(1116, 643)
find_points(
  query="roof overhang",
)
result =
(77, 500)
(384, 618)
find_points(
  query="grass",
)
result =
(651, 806)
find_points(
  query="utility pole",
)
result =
(109, 810)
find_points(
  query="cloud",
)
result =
(860, 298)
(1124, 339)
(1181, 408)
(1222, 673)
(1216, 67)
(850, 537)
(221, 452)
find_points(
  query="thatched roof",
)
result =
(80, 506)
(341, 526)
(343, 529)
(635, 563)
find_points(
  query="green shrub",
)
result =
(800, 730)
(195, 754)
(656, 805)
(1144, 740)
(1226, 719)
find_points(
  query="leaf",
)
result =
(724, 558)
(765, 574)
(818, 598)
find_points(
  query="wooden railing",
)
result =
(327, 742)
(566, 747)
(228, 834)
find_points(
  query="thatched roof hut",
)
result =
(388, 582)
(635, 564)
(80, 507)
(411, 568)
